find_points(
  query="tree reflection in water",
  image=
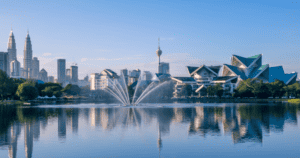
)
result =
(244, 122)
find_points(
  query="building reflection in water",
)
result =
(62, 118)
(245, 123)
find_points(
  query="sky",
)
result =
(100, 34)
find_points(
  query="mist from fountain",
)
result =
(119, 90)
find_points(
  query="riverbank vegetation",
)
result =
(20, 89)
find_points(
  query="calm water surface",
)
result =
(151, 130)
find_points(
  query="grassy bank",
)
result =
(294, 100)
(11, 102)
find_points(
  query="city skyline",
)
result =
(192, 33)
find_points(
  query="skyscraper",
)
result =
(14, 68)
(27, 57)
(12, 51)
(164, 68)
(3, 61)
(74, 74)
(51, 79)
(61, 70)
(35, 67)
(43, 75)
(68, 75)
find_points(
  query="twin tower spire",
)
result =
(12, 55)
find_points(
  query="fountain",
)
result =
(119, 90)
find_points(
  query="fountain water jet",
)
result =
(119, 90)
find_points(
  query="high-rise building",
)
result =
(3, 61)
(12, 51)
(68, 75)
(147, 75)
(35, 67)
(21, 71)
(15, 68)
(61, 70)
(164, 68)
(43, 75)
(125, 73)
(27, 57)
(51, 79)
(74, 74)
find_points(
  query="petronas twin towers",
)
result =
(13, 67)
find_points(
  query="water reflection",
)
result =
(245, 123)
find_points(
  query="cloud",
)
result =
(47, 54)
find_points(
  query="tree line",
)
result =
(249, 88)
(256, 88)
(21, 89)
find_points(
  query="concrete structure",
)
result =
(84, 82)
(125, 73)
(14, 68)
(103, 79)
(147, 75)
(134, 76)
(12, 51)
(164, 68)
(3, 61)
(61, 70)
(35, 68)
(241, 68)
(158, 53)
(43, 75)
(181, 82)
(74, 74)
(68, 75)
(21, 73)
(51, 79)
(27, 57)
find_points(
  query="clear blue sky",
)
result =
(123, 34)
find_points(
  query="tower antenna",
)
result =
(158, 42)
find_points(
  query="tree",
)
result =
(218, 90)
(244, 89)
(41, 87)
(276, 88)
(186, 90)
(261, 90)
(210, 91)
(71, 89)
(6, 85)
(27, 91)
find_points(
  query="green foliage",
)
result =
(6, 85)
(277, 88)
(218, 89)
(186, 90)
(244, 89)
(210, 90)
(27, 91)
(294, 100)
(261, 90)
(293, 90)
(55, 87)
(71, 89)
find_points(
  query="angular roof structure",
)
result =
(251, 67)
(184, 79)
(213, 69)
(278, 73)
(247, 61)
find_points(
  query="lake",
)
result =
(151, 130)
